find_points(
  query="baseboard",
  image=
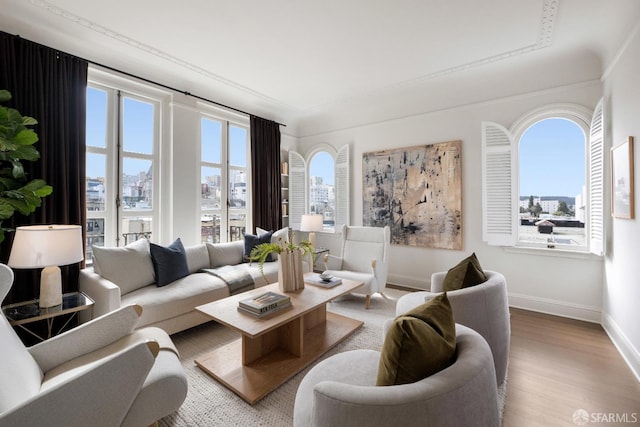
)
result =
(555, 307)
(408, 282)
(629, 353)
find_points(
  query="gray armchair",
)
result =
(341, 391)
(364, 258)
(102, 373)
(484, 308)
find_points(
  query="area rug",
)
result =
(208, 403)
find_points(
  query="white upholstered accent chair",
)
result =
(341, 391)
(101, 373)
(484, 308)
(364, 257)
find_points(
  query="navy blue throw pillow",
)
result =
(169, 263)
(251, 241)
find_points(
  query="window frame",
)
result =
(117, 89)
(227, 119)
(580, 117)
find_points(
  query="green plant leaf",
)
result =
(29, 121)
(6, 209)
(26, 152)
(5, 95)
(26, 137)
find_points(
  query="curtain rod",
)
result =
(184, 92)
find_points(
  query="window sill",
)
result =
(555, 252)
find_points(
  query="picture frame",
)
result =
(622, 191)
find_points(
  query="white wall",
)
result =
(545, 281)
(621, 317)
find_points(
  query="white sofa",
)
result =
(170, 307)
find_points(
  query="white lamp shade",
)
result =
(311, 223)
(38, 246)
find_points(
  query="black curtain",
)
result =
(265, 164)
(49, 86)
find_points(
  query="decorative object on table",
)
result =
(264, 304)
(323, 280)
(47, 247)
(311, 223)
(290, 274)
(16, 144)
(417, 192)
(622, 198)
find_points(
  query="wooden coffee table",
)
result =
(276, 347)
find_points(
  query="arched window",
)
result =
(552, 186)
(322, 194)
(319, 184)
(544, 150)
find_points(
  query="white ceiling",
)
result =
(322, 65)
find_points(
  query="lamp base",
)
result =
(50, 287)
(312, 239)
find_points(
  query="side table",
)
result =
(23, 313)
(316, 256)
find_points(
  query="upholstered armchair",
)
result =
(341, 390)
(364, 257)
(102, 373)
(484, 308)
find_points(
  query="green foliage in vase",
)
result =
(17, 193)
(262, 251)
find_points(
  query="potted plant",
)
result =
(290, 277)
(16, 144)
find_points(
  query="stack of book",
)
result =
(317, 280)
(264, 304)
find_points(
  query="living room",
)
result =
(445, 101)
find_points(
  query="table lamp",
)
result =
(47, 246)
(311, 223)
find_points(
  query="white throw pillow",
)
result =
(129, 267)
(277, 236)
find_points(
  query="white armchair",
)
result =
(341, 391)
(102, 373)
(364, 257)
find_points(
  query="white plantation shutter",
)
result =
(596, 181)
(297, 189)
(499, 219)
(342, 187)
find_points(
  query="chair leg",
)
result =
(367, 301)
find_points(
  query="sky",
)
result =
(552, 159)
(322, 164)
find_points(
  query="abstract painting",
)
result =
(417, 192)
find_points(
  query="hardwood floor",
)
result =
(558, 366)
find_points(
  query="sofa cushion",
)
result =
(251, 241)
(169, 263)
(180, 297)
(228, 253)
(130, 267)
(279, 236)
(466, 273)
(197, 257)
(418, 344)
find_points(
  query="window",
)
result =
(552, 165)
(122, 141)
(322, 194)
(319, 185)
(518, 161)
(225, 192)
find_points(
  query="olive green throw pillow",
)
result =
(419, 343)
(466, 273)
